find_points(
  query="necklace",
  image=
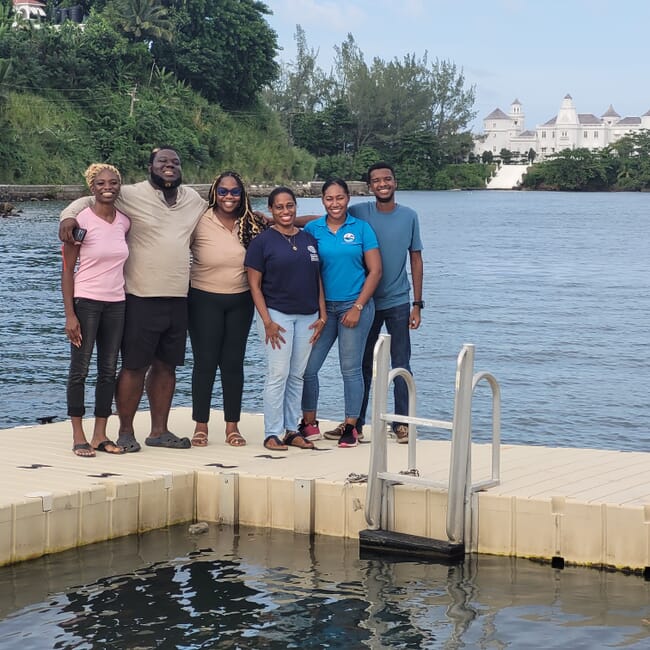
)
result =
(291, 239)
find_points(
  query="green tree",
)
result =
(451, 102)
(224, 49)
(142, 20)
(301, 86)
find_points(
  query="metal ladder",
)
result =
(460, 490)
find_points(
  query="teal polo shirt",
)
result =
(341, 256)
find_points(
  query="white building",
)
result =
(567, 130)
(30, 9)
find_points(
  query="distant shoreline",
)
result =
(19, 193)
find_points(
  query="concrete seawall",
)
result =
(17, 193)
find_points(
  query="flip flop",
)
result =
(294, 439)
(128, 442)
(169, 440)
(83, 446)
(235, 439)
(275, 444)
(102, 446)
(200, 439)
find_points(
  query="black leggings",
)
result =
(218, 324)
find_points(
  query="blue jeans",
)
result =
(100, 322)
(285, 368)
(352, 341)
(397, 325)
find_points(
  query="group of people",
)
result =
(157, 262)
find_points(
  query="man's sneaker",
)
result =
(350, 437)
(335, 434)
(309, 431)
(402, 433)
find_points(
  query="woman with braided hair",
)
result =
(92, 283)
(220, 303)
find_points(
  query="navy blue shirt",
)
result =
(289, 277)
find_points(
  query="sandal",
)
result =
(275, 444)
(235, 439)
(169, 440)
(294, 439)
(200, 439)
(110, 447)
(83, 450)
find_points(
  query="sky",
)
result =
(536, 51)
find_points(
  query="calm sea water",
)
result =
(552, 289)
(255, 589)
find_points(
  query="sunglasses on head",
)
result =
(233, 191)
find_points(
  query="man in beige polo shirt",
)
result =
(163, 215)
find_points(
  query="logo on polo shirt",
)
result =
(313, 253)
(349, 237)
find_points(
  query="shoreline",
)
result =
(21, 193)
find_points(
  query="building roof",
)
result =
(551, 122)
(588, 118)
(497, 114)
(629, 120)
(30, 3)
(610, 112)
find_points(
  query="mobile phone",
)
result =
(78, 234)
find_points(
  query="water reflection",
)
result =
(271, 589)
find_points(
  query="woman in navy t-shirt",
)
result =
(283, 269)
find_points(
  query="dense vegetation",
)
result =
(623, 166)
(203, 76)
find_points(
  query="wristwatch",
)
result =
(418, 303)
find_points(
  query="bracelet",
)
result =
(359, 306)
(322, 321)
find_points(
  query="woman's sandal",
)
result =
(235, 439)
(294, 439)
(200, 439)
(273, 443)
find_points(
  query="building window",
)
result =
(544, 135)
(596, 135)
(585, 134)
(563, 134)
(553, 134)
(543, 149)
(494, 149)
(494, 125)
(515, 122)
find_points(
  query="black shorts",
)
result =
(154, 328)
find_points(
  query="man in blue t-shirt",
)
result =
(398, 232)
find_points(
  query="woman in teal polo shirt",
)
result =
(350, 270)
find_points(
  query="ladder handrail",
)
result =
(460, 488)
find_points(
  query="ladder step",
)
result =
(413, 480)
(410, 546)
(425, 422)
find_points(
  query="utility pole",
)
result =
(132, 94)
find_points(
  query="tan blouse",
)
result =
(217, 257)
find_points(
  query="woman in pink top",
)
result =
(92, 282)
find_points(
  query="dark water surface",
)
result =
(552, 288)
(271, 589)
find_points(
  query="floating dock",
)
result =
(579, 506)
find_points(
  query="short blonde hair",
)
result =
(91, 173)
